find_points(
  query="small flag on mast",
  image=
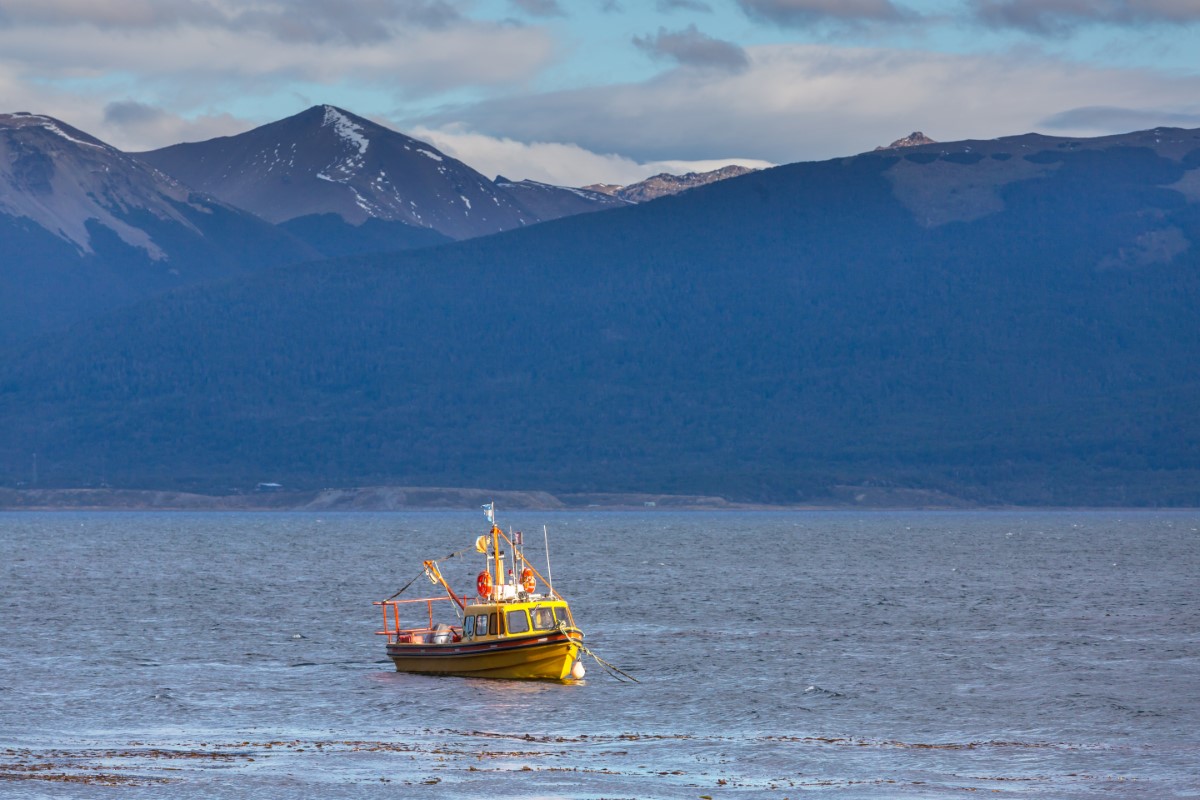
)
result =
(487, 509)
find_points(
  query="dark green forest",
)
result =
(765, 338)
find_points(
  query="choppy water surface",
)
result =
(874, 655)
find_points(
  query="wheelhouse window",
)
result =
(481, 625)
(543, 618)
(468, 627)
(518, 621)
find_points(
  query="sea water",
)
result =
(844, 654)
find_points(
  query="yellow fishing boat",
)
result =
(515, 626)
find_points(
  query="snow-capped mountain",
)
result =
(85, 227)
(327, 160)
(547, 201)
(65, 181)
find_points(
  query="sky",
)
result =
(576, 92)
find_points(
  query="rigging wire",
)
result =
(422, 572)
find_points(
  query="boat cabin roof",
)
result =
(489, 606)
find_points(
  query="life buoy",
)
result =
(484, 584)
(528, 581)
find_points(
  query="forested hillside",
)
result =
(1015, 321)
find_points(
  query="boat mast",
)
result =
(498, 566)
(549, 574)
(491, 561)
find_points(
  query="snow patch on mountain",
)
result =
(49, 125)
(350, 132)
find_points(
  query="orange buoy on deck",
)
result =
(484, 584)
(528, 581)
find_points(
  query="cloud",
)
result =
(666, 6)
(362, 21)
(559, 163)
(129, 112)
(540, 8)
(294, 20)
(803, 102)
(258, 59)
(129, 15)
(692, 48)
(1106, 119)
(137, 126)
(1058, 17)
(126, 124)
(803, 13)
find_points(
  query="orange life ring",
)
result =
(484, 584)
(528, 581)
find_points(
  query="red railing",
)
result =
(391, 625)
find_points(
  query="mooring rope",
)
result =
(611, 669)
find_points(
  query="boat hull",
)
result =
(537, 657)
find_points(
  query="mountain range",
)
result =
(1009, 321)
(86, 228)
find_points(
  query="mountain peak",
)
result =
(326, 160)
(26, 119)
(914, 139)
(665, 183)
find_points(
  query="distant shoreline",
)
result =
(372, 498)
(411, 498)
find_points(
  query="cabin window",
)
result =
(492, 627)
(518, 621)
(481, 625)
(543, 619)
(563, 616)
(468, 627)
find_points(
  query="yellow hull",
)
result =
(525, 658)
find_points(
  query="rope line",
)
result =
(422, 572)
(405, 586)
(611, 669)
